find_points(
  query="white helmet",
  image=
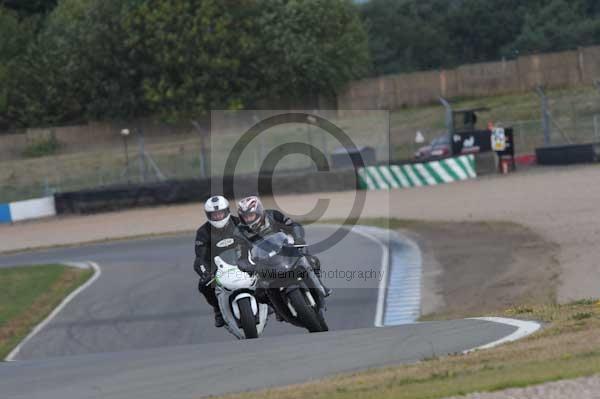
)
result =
(217, 211)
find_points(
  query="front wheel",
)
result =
(306, 314)
(247, 318)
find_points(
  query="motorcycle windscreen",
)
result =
(268, 246)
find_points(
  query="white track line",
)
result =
(97, 272)
(385, 256)
(524, 328)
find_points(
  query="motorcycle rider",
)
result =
(214, 236)
(256, 222)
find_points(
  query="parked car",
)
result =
(439, 147)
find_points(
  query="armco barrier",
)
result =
(29, 209)
(416, 175)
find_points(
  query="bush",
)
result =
(42, 147)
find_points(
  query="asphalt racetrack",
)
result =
(142, 329)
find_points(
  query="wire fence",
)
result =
(570, 116)
(187, 151)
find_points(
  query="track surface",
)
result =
(146, 299)
(147, 296)
(196, 371)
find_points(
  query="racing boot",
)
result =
(328, 291)
(277, 315)
(211, 298)
(316, 266)
(219, 320)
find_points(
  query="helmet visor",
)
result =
(249, 217)
(217, 216)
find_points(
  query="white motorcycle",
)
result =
(244, 316)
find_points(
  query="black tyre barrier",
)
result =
(568, 154)
(118, 197)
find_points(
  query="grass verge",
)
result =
(28, 294)
(568, 347)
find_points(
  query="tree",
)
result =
(107, 59)
(477, 29)
(78, 67)
(310, 47)
(559, 25)
(27, 8)
(15, 36)
(192, 53)
(214, 54)
(407, 35)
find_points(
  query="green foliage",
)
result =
(310, 47)
(78, 67)
(42, 147)
(120, 59)
(559, 25)
(193, 54)
(582, 315)
(585, 302)
(408, 35)
(73, 60)
(14, 36)
(29, 7)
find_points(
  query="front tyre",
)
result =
(306, 314)
(247, 318)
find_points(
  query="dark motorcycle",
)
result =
(287, 278)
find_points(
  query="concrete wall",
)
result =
(28, 209)
(553, 70)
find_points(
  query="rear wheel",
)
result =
(247, 318)
(306, 314)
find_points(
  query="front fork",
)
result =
(279, 299)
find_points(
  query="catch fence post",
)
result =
(545, 115)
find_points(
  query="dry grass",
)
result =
(568, 347)
(22, 178)
(29, 294)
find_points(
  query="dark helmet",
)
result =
(251, 212)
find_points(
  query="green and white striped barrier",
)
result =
(416, 175)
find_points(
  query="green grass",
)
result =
(42, 147)
(28, 294)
